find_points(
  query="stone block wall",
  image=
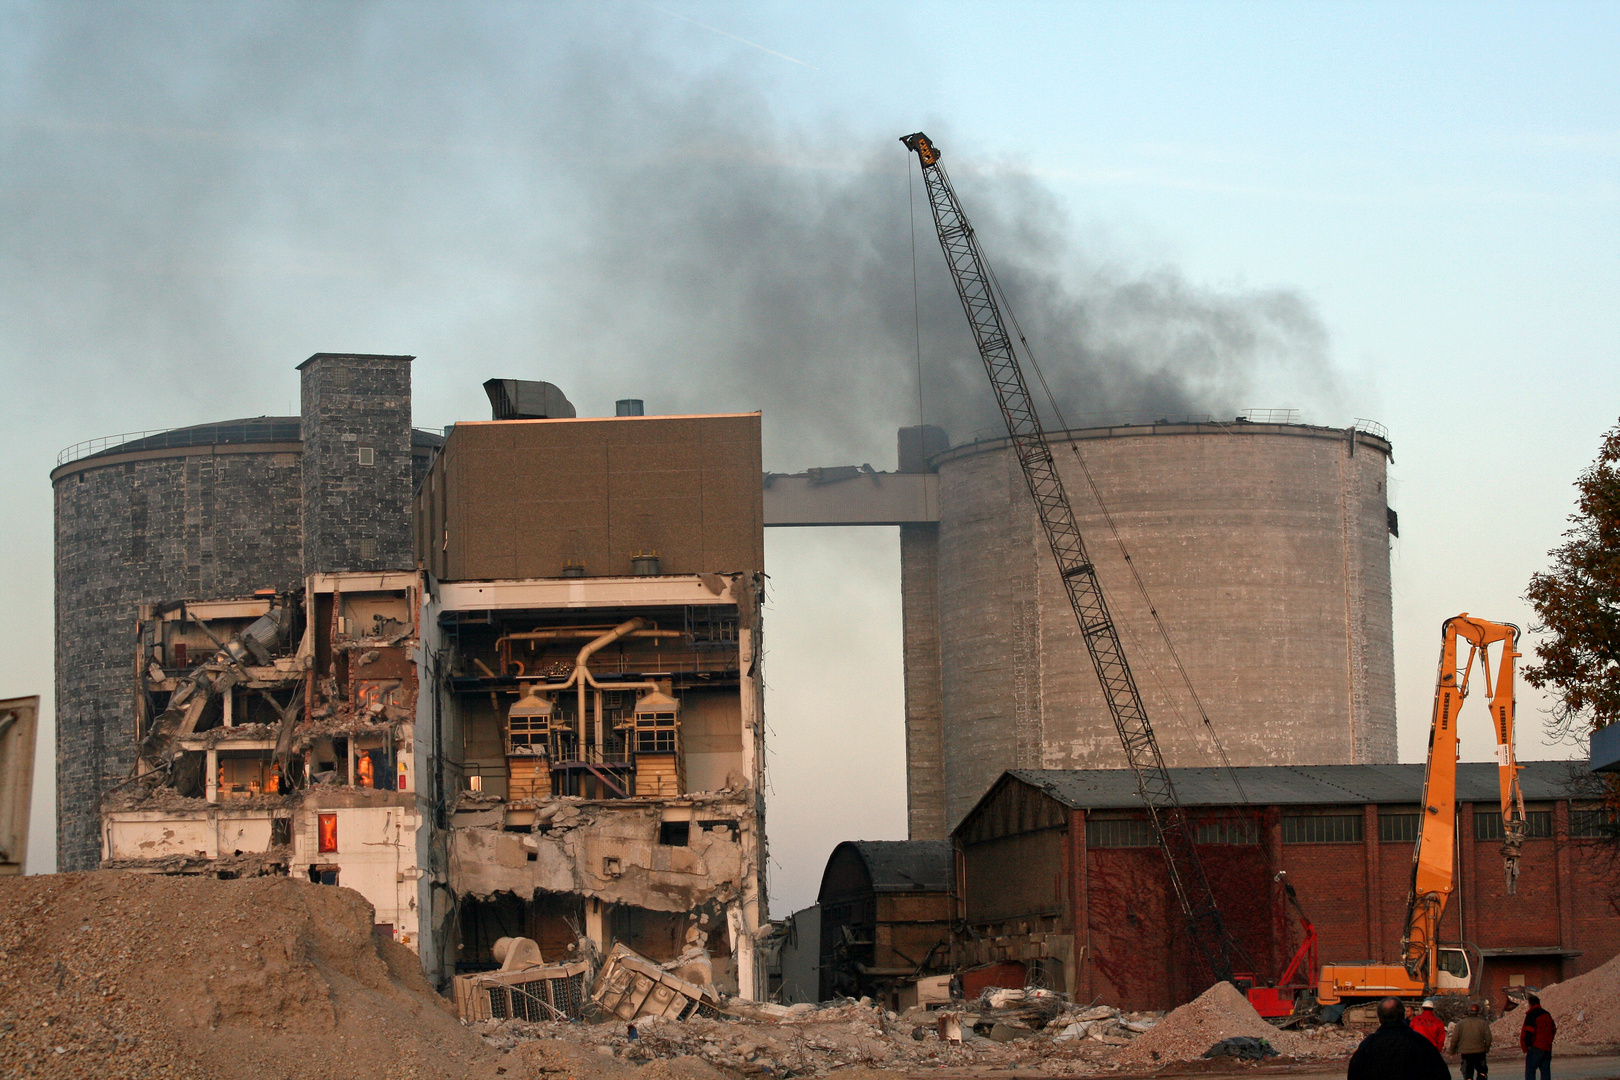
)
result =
(201, 521)
(356, 411)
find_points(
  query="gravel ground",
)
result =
(112, 975)
(1586, 1009)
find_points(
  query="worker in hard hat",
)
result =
(1430, 1026)
(1471, 1038)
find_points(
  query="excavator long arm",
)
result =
(976, 289)
(1434, 856)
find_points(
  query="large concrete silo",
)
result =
(1265, 549)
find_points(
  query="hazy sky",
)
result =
(1400, 212)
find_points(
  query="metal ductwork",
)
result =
(520, 399)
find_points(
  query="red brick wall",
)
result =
(1356, 895)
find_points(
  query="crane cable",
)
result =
(916, 307)
(1119, 542)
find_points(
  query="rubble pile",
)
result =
(112, 974)
(1586, 1008)
(811, 1040)
(1221, 1012)
(1002, 1030)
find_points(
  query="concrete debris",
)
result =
(147, 976)
(760, 1039)
(1586, 1009)
(1221, 1013)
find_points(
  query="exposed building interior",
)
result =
(552, 732)
(604, 743)
(277, 735)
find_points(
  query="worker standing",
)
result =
(1428, 1025)
(1395, 1051)
(1536, 1039)
(1471, 1038)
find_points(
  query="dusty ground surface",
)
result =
(113, 975)
(129, 975)
(851, 1037)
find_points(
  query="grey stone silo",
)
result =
(198, 512)
(206, 512)
(1265, 548)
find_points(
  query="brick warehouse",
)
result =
(1059, 870)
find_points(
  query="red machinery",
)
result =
(1300, 975)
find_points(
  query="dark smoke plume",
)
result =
(544, 192)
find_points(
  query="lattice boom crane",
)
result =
(977, 290)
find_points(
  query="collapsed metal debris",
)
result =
(630, 987)
(540, 992)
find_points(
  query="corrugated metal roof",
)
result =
(908, 865)
(1296, 785)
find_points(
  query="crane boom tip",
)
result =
(923, 145)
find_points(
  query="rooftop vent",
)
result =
(519, 399)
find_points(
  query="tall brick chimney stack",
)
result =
(356, 423)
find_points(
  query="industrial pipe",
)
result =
(503, 651)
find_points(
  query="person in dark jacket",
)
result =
(1536, 1039)
(1395, 1051)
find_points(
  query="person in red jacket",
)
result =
(1429, 1025)
(1536, 1039)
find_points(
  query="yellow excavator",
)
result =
(1429, 968)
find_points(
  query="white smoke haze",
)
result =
(195, 197)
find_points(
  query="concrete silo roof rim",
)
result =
(1118, 431)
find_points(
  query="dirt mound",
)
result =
(133, 975)
(1220, 1012)
(1586, 1008)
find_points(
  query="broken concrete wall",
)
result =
(611, 853)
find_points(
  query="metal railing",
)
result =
(1371, 427)
(1147, 419)
(106, 442)
(1270, 416)
(268, 430)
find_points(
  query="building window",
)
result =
(326, 833)
(368, 455)
(1399, 828)
(1321, 829)
(1119, 832)
(655, 733)
(1488, 824)
(1602, 823)
(674, 833)
(1237, 831)
(368, 548)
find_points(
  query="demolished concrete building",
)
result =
(545, 722)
